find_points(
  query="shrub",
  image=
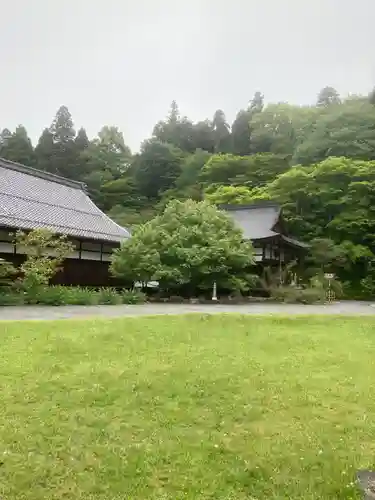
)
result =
(176, 299)
(62, 295)
(133, 297)
(294, 295)
(7, 272)
(335, 285)
(311, 296)
(11, 299)
(81, 296)
(368, 286)
(49, 296)
(109, 296)
(287, 294)
(45, 254)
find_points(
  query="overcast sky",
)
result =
(122, 62)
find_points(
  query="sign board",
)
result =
(329, 276)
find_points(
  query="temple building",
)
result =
(263, 224)
(31, 199)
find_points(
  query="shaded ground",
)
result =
(42, 312)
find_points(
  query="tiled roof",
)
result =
(32, 199)
(259, 221)
(256, 221)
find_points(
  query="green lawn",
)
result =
(189, 407)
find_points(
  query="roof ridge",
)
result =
(265, 204)
(19, 167)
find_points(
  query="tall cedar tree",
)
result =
(64, 160)
(44, 151)
(327, 96)
(221, 132)
(17, 146)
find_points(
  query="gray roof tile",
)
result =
(259, 221)
(31, 199)
(256, 221)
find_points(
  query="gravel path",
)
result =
(50, 313)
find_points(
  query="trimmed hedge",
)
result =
(65, 295)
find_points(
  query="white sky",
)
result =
(122, 62)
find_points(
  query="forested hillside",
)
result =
(317, 161)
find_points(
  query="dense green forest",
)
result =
(317, 161)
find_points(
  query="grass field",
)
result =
(190, 407)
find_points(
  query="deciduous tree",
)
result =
(157, 167)
(190, 244)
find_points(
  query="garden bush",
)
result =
(294, 295)
(11, 298)
(287, 294)
(49, 296)
(58, 295)
(311, 296)
(109, 296)
(133, 297)
(81, 296)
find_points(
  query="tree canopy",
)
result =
(189, 244)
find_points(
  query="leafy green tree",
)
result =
(187, 185)
(326, 255)
(45, 253)
(241, 144)
(123, 191)
(157, 167)
(105, 160)
(279, 128)
(203, 136)
(251, 171)
(190, 244)
(332, 199)
(346, 130)
(17, 147)
(328, 96)
(191, 168)
(109, 152)
(371, 97)
(130, 217)
(230, 195)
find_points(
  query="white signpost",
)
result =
(214, 294)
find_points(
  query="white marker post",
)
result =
(214, 292)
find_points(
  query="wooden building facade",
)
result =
(263, 224)
(31, 199)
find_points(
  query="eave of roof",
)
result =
(294, 242)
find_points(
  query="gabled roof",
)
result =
(31, 199)
(256, 221)
(260, 221)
